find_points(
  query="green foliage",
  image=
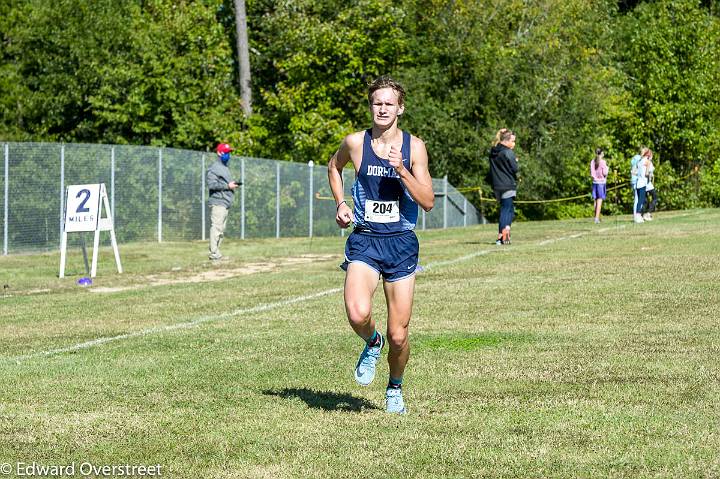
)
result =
(52, 53)
(669, 52)
(540, 70)
(710, 181)
(174, 85)
(312, 65)
(105, 71)
(676, 191)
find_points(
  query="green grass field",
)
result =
(579, 351)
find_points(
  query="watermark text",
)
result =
(79, 469)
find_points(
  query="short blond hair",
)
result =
(385, 81)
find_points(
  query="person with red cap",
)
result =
(222, 189)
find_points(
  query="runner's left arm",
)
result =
(418, 182)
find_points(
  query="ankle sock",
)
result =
(374, 340)
(394, 383)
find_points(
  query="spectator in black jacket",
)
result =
(503, 176)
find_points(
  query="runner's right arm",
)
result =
(342, 156)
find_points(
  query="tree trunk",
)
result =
(243, 52)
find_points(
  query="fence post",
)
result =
(464, 211)
(277, 199)
(445, 200)
(202, 196)
(62, 188)
(312, 187)
(5, 203)
(112, 183)
(242, 198)
(159, 223)
(482, 207)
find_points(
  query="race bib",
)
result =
(382, 211)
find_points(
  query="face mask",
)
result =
(225, 157)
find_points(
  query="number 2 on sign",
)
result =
(81, 207)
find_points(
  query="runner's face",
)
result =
(384, 107)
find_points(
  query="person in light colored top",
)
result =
(641, 185)
(651, 192)
(633, 175)
(599, 174)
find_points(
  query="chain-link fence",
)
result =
(159, 194)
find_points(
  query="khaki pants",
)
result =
(218, 221)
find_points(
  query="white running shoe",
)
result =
(394, 403)
(365, 367)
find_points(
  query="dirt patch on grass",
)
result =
(219, 272)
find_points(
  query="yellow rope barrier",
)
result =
(554, 200)
(318, 197)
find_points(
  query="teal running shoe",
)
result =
(394, 403)
(365, 367)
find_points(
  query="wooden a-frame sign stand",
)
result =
(84, 206)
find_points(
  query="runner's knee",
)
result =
(359, 312)
(397, 338)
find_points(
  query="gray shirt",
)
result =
(218, 178)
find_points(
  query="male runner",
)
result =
(391, 179)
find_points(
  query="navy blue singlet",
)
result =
(381, 203)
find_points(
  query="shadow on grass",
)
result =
(328, 401)
(481, 242)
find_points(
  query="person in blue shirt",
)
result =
(391, 180)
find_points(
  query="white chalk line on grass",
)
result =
(174, 327)
(541, 243)
(457, 260)
(264, 307)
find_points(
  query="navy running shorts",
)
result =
(393, 256)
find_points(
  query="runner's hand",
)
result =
(395, 158)
(344, 215)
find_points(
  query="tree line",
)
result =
(566, 75)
